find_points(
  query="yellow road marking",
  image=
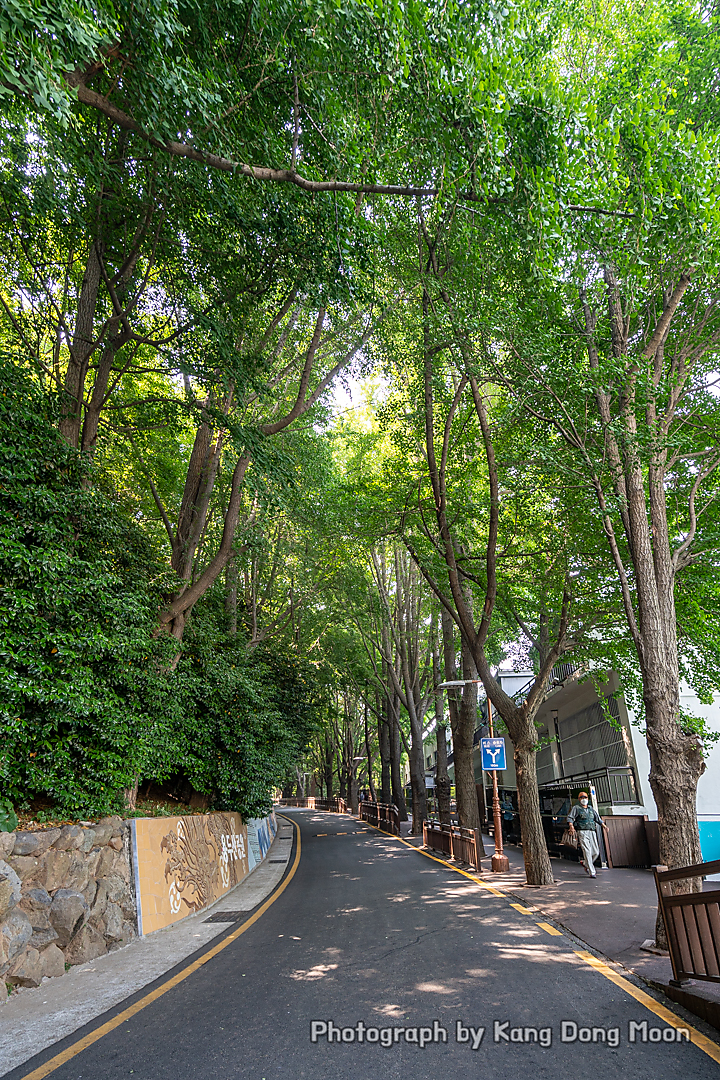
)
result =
(523, 910)
(82, 1044)
(321, 834)
(696, 1037)
(700, 1040)
(421, 851)
(549, 929)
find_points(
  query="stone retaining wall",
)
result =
(66, 897)
(73, 894)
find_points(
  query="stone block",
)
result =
(71, 837)
(78, 874)
(104, 863)
(90, 892)
(52, 961)
(26, 969)
(92, 861)
(103, 834)
(25, 866)
(34, 843)
(119, 892)
(129, 932)
(115, 887)
(116, 843)
(111, 923)
(52, 870)
(41, 938)
(68, 912)
(10, 888)
(88, 840)
(121, 866)
(36, 905)
(88, 944)
(128, 908)
(114, 821)
(7, 843)
(15, 932)
(26, 843)
(101, 901)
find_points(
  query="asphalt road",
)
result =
(371, 934)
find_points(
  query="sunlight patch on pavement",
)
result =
(313, 973)
(531, 953)
(395, 1012)
(435, 988)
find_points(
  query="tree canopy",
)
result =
(502, 222)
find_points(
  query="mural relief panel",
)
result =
(183, 864)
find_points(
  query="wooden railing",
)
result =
(336, 805)
(381, 815)
(456, 843)
(692, 923)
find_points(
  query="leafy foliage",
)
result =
(89, 702)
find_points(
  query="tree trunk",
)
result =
(91, 423)
(482, 808)
(130, 795)
(81, 349)
(538, 869)
(417, 778)
(463, 718)
(442, 780)
(231, 591)
(676, 765)
(371, 784)
(329, 757)
(465, 795)
(398, 796)
(384, 744)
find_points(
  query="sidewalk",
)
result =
(34, 1019)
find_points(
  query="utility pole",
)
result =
(500, 862)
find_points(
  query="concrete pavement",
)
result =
(372, 934)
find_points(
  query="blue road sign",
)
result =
(493, 754)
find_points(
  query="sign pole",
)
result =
(500, 863)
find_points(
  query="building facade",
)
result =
(590, 739)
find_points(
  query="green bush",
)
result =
(8, 817)
(87, 701)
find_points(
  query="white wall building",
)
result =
(582, 748)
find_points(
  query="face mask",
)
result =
(583, 802)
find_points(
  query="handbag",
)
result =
(569, 839)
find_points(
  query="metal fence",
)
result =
(456, 843)
(614, 785)
(692, 923)
(383, 816)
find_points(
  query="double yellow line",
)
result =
(122, 1018)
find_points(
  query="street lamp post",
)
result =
(500, 863)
